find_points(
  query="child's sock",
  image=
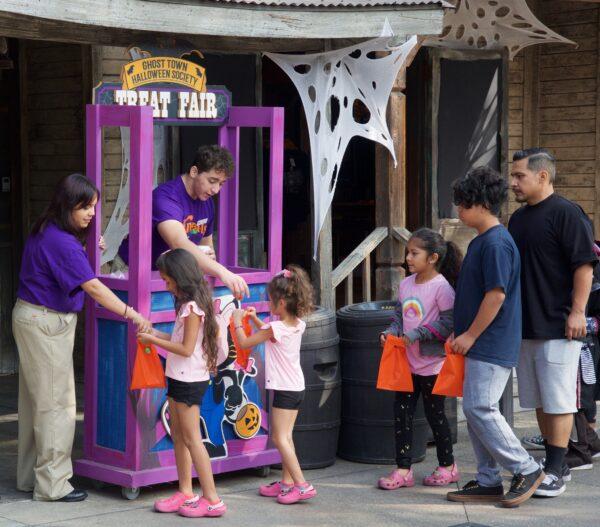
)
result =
(555, 459)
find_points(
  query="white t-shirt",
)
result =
(282, 357)
(193, 368)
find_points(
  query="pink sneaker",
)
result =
(296, 494)
(442, 476)
(173, 503)
(201, 508)
(395, 480)
(272, 490)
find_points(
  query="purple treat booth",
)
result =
(126, 434)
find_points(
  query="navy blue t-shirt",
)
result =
(492, 261)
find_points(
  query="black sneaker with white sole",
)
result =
(565, 472)
(551, 487)
(576, 462)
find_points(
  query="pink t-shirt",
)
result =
(282, 357)
(193, 368)
(421, 304)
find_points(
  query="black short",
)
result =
(287, 400)
(189, 393)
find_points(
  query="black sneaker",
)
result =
(551, 487)
(522, 488)
(473, 491)
(576, 462)
(565, 473)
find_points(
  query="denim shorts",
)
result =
(547, 375)
(189, 393)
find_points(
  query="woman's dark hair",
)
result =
(292, 286)
(181, 266)
(214, 157)
(481, 186)
(72, 192)
(449, 255)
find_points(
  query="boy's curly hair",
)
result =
(296, 291)
(481, 186)
(214, 157)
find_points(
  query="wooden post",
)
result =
(390, 197)
(323, 265)
(24, 132)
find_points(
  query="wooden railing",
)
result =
(362, 254)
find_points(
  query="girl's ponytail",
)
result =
(450, 265)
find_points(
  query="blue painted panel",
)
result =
(122, 295)
(163, 300)
(166, 327)
(112, 385)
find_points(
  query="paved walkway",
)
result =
(347, 495)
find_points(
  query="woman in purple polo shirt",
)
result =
(55, 273)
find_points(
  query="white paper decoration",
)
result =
(493, 24)
(345, 94)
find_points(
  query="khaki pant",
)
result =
(46, 399)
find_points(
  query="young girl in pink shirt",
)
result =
(423, 320)
(290, 294)
(194, 348)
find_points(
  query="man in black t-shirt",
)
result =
(555, 243)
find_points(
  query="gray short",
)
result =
(547, 375)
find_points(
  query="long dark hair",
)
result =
(72, 192)
(449, 255)
(293, 286)
(181, 266)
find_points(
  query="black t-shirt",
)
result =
(554, 238)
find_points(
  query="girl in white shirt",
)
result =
(193, 350)
(290, 295)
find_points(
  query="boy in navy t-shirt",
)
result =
(487, 330)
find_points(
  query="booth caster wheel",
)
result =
(130, 493)
(263, 472)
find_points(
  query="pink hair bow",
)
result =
(285, 273)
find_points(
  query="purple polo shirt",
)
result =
(54, 266)
(170, 201)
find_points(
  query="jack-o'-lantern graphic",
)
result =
(248, 421)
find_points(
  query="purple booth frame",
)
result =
(124, 467)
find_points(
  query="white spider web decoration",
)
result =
(345, 94)
(493, 24)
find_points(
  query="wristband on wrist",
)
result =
(125, 312)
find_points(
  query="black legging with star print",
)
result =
(404, 411)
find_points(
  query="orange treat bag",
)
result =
(147, 369)
(394, 371)
(242, 354)
(451, 377)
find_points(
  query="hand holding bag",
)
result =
(451, 377)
